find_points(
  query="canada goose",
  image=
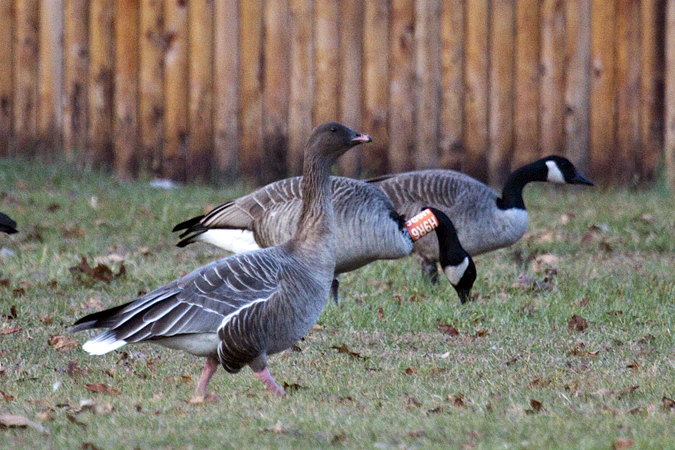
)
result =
(368, 227)
(484, 221)
(7, 225)
(241, 309)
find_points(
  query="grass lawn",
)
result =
(397, 364)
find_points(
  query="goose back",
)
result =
(367, 227)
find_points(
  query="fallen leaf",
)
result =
(667, 404)
(449, 330)
(536, 407)
(293, 387)
(615, 313)
(628, 390)
(19, 292)
(53, 207)
(101, 388)
(604, 246)
(577, 323)
(101, 272)
(584, 301)
(6, 397)
(410, 371)
(89, 446)
(482, 333)
(10, 330)
(45, 319)
(63, 342)
(412, 402)
(380, 313)
(72, 419)
(622, 444)
(524, 282)
(14, 421)
(419, 433)
(458, 400)
(73, 369)
(344, 349)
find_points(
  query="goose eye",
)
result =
(333, 129)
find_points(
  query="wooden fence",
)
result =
(195, 89)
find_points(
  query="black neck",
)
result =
(512, 194)
(450, 250)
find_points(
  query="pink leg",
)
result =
(266, 377)
(210, 368)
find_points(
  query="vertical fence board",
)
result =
(101, 80)
(651, 97)
(76, 62)
(627, 90)
(176, 132)
(526, 108)
(250, 76)
(501, 90)
(577, 87)
(401, 79)
(275, 89)
(327, 63)
(50, 73)
(552, 78)
(452, 84)
(428, 77)
(25, 62)
(669, 150)
(602, 90)
(226, 82)
(376, 85)
(200, 146)
(152, 45)
(351, 80)
(476, 95)
(6, 75)
(302, 82)
(126, 88)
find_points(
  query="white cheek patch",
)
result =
(554, 173)
(455, 273)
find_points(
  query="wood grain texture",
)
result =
(126, 88)
(26, 75)
(552, 91)
(152, 46)
(476, 99)
(428, 78)
(76, 74)
(226, 88)
(250, 85)
(577, 82)
(669, 147)
(602, 119)
(502, 51)
(101, 81)
(527, 77)
(401, 86)
(50, 74)
(376, 87)
(200, 146)
(327, 61)
(627, 91)
(6, 76)
(275, 90)
(451, 126)
(176, 93)
(302, 82)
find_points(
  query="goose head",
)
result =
(457, 264)
(332, 139)
(561, 170)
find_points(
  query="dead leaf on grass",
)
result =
(412, 402)
(535, 407)
(524, 282)
(10, 330)
(101, 272)
(7, 398)
(101, 388)
(380, 313)
(344, 349)
(72, 419)
(15, 421)
(63, 342)
(416, 434)
(293, 387)
(458, 400)
(410, 371)
(89, 446)
(667, 404)
(577, 323)
(628, 390)
(448, 329)
(622, 444)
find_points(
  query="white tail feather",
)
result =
(103, 343)
(236, 241)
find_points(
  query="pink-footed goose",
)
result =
(367, 228)
(239, 310)
(484, 220)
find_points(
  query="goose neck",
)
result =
(317, 216)
(512, 194)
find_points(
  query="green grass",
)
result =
(411, 385)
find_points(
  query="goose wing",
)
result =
(196, 303)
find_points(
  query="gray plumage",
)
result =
(484, 220)
(238, 310)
